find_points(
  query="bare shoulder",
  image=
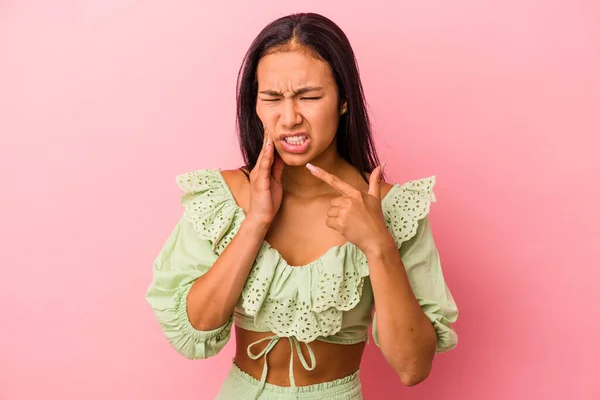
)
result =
(239, 185)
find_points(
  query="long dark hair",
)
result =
(323, 38)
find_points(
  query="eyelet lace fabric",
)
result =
(210, 206)
(405, 208)
(305, 301)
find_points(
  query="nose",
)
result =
(290, 116)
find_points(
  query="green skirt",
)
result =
(238, 385)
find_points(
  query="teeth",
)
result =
(295, 140)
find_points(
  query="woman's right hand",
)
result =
(266, 191)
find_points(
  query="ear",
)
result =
(344, 108)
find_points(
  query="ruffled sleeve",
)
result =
(406, 215)
(210, 207)
(188, 253)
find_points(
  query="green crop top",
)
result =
(329, 299)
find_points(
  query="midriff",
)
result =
(333, 361)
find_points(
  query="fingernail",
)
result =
(383, 166)
(312, 168)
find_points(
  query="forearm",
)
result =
(406, 336)
(213, 296)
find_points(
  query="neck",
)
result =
(299, 181)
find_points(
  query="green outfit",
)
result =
(329, 299)
(240, 386)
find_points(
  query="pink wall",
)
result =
(102, 103)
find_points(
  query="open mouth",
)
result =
(295, 140)
(296, 143)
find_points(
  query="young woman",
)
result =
(296, 248)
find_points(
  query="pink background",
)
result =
(102, 103)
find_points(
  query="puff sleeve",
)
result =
(209, 221)
(183, 259)
(407, 220)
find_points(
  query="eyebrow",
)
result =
(303, 90)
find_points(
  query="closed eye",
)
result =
(310, 98)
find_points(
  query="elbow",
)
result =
(412, 371)
(413, 378)
(412, 368)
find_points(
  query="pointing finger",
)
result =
(333, 181)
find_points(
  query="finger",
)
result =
(277, 168)
(375, 182)
(337, 202)
(264, 170)
(333, 223)
(264, 146)
(333, 212)
(333, 181)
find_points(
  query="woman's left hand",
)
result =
(357, 215)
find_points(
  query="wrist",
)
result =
(381, 248)
(255, 227)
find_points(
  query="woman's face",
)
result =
(298, 104)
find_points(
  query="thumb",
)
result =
(375, 181)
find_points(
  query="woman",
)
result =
(297, 247)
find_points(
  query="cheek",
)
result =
(259, 110)
(326, 118)
(266, 111)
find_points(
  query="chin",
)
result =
(295, 160)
